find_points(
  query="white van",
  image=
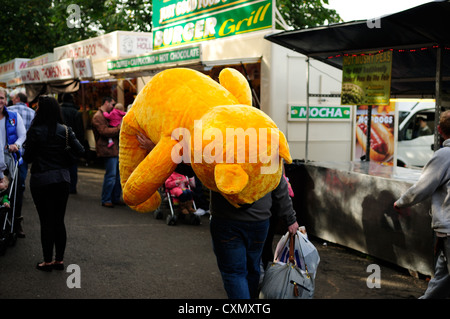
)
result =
(415, 132)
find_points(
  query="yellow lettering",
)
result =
(255, 20)
(264, 12)
(238, 26)
(222, 28)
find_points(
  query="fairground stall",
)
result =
(402, 55)
(80, 68)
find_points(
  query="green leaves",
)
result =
(34, 27)
(307, 13)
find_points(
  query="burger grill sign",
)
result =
(178, 22)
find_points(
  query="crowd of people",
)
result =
(49, 137)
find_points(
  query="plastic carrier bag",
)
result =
(292, 273)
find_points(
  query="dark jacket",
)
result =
(46, 151)
(73, 118)
(102, 132)
(276, 202)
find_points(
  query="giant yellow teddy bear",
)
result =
(233, 148)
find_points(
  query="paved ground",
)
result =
(124, 254)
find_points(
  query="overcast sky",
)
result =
(368, 9)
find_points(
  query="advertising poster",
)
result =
(366, 79)
(179, 22)
(382, 141)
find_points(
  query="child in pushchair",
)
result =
(179, 188)
(179, 193)
(4, 196)
(7, 217)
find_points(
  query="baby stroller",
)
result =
(8, 235)
(175, 207)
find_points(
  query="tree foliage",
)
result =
(34, 27)
(301, 14)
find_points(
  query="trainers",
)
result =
(200, 212)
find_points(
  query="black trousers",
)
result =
(51, 201)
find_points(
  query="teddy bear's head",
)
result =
(237, 150)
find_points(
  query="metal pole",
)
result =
(437, 112)
(307, 110)
(369, 129)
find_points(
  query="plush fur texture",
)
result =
(188, 102)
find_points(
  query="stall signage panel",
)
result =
(13, 66)
(320, 112)
(98, 48)
(40, 60)
(14, 82)
(83, 68)
(56, 71)
(176, 56)
(177, 22)
(366, 79)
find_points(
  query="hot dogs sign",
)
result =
(382, 142)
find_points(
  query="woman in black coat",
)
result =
(45, 149)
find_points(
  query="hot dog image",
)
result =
(381, 141)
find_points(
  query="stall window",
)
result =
(420, 125)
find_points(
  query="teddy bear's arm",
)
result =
(141, 189)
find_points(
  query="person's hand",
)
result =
(402, 211)
(13, 148)
(397, 209)
(293, 228)
(145, 142)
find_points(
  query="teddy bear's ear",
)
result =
(230, 178)
(236, 84)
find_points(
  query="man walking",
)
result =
(434, 182)
(111, 190)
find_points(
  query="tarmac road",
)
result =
(121, 254)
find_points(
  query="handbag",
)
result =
(72, 157)
(292, 273)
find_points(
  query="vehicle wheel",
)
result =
(2, 246)
(171, 220)
(195, 220)
(12, 239)
(158, 214)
